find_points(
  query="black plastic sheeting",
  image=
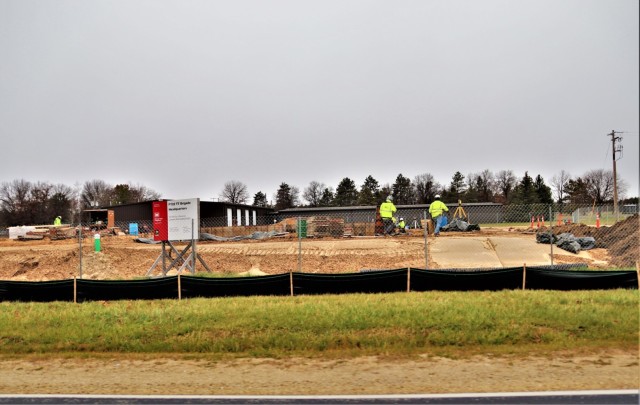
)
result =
(384, 281)
(380, 281)
(543, 279)
(491, 280)
(232, 287)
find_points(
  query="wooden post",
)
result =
(179, 288)
(638, 272)
(408, 279)
(524, 276)
(291, 282)
(75, 291)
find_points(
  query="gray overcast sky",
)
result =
(183, 96)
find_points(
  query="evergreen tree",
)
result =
(326, 200)
(369, 192)
(456, 188)
(346, 193)
(284, 197)
(543, 192)
(525, 192)
(260, 200)
(577, 191)
(402, 191)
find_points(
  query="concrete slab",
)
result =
(452, 252)
(487, 252)
(514, 252)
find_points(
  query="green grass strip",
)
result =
(358, 324)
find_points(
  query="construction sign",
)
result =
(176, 220)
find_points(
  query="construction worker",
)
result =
(387, 209)
(402, 225)
(437, 210)
(57, 221)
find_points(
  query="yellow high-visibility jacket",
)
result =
(437, 208)
(387, 209)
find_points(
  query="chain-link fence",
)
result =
(601, 226)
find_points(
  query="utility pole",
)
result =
(615, 150)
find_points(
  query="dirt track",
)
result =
(299, 376)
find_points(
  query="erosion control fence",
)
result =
(387, 281)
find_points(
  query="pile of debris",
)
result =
(320, 226)
(40, 232)
(622, 239)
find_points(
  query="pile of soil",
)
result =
(622, 240)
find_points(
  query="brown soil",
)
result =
(122, 258)
(621, 240)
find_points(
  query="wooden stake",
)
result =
(291, 282)
(179, 288)
(408, 279)
(638, 272)
(75, 291)
(524, 276)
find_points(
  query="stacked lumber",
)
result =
(319, 226)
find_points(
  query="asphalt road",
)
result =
(554, 397)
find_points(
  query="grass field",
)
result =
(400, 324)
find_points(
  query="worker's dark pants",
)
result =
(389, 226)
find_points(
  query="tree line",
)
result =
(23, 202)
(593, 187)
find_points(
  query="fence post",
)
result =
(179, 288)
(551, 232)
(638, 272)
(291, 282)
(299, 244)
(408, 279)
(524, 276)
(80, 244)
(426, 230)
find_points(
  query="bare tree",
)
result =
(313, 193)
(559, 184)
(426, 187)
(235, 192)
(14, 202)
(600, 185)
(96, 193)
(505, 183)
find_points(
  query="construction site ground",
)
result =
(123, 258)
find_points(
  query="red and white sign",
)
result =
(176, 220)
(160, 221)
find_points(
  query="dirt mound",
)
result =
(622, 239)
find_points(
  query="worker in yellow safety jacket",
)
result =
(402, 226)
(437, 210)
(387, 209)
(57, 221)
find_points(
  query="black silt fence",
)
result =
(542, 279)
(36, 291)
(106, 290)
(231, 287)
(382, 281)
(488, 280)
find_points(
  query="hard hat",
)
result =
(401, 219)
(389, 198)
(58, 216)
(437, 196)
